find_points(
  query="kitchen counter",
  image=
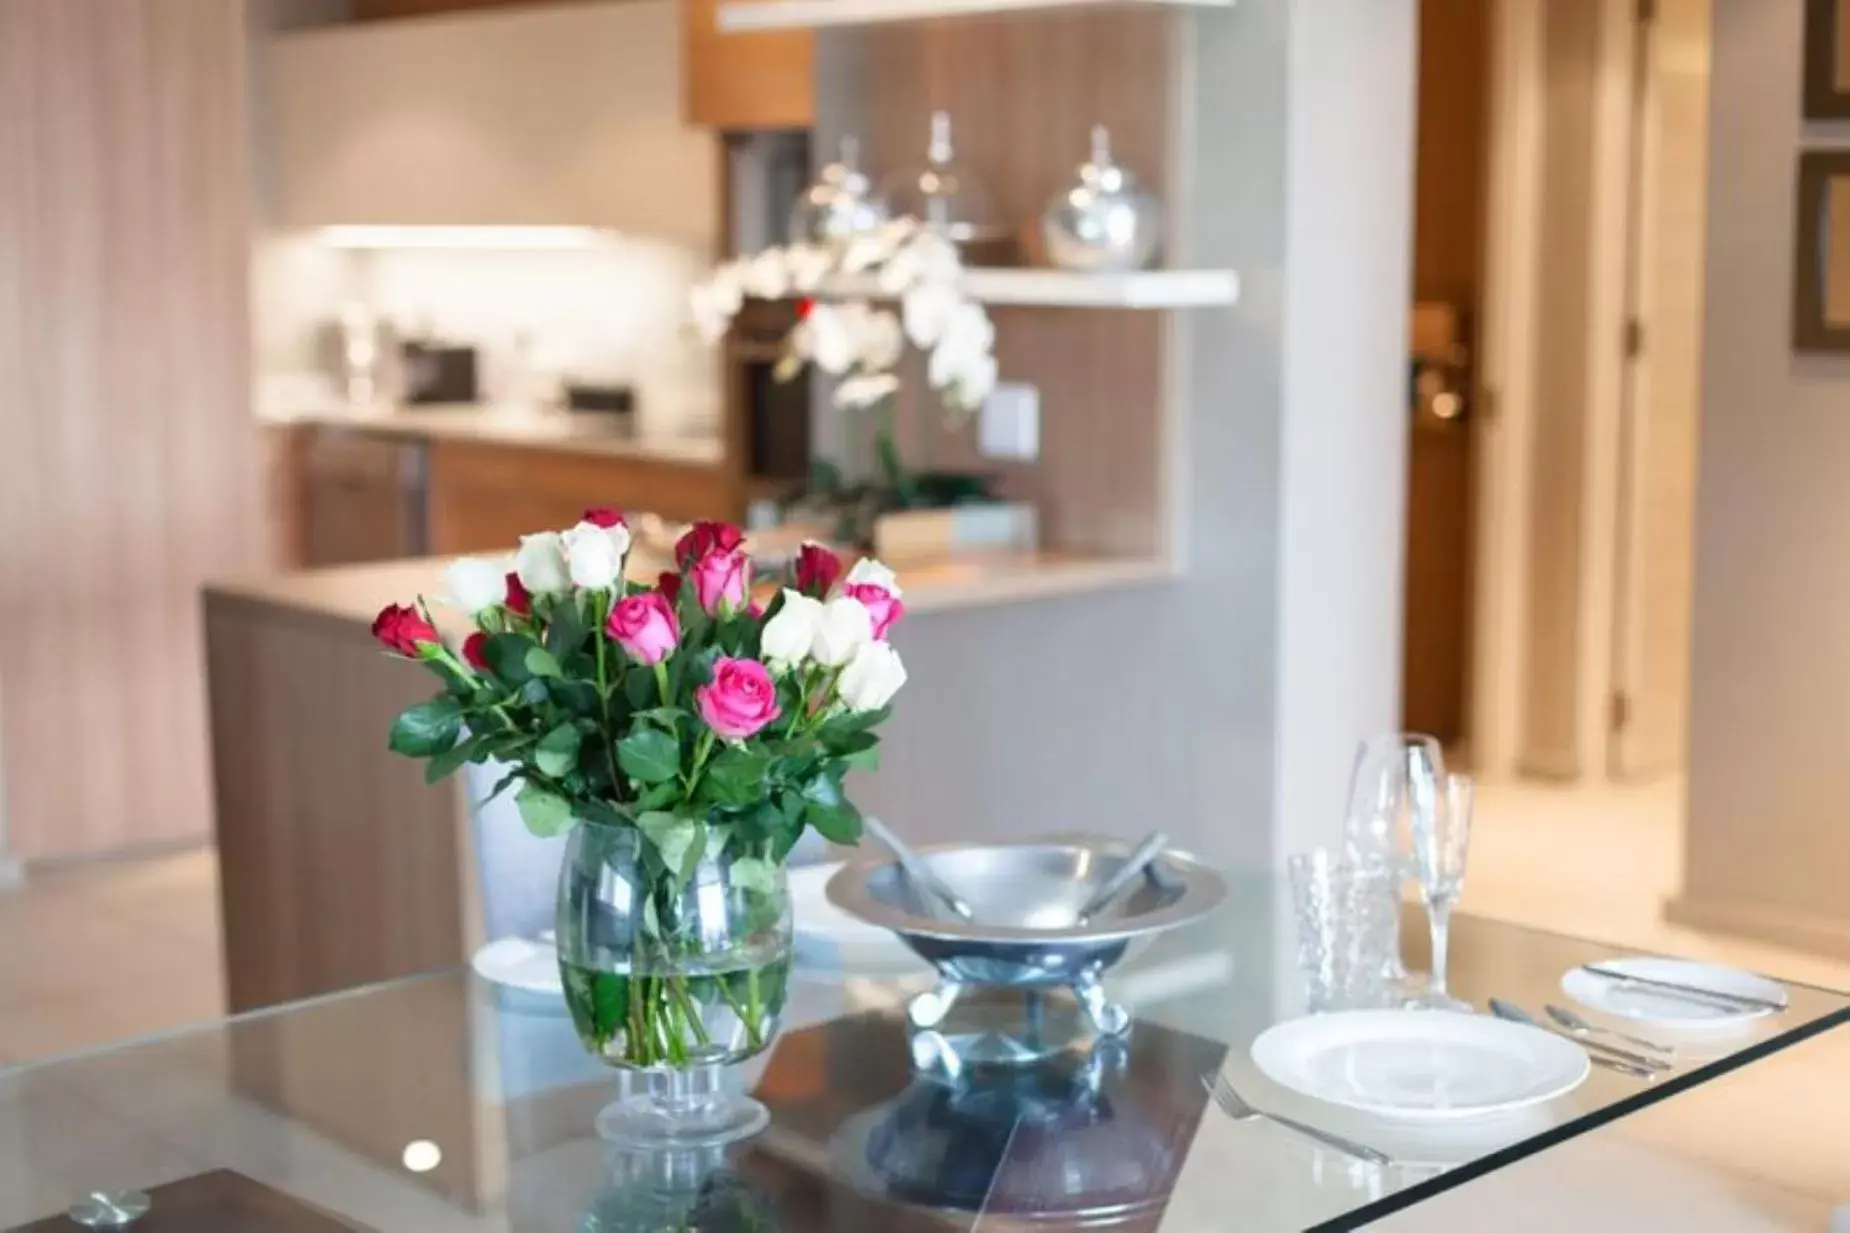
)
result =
(356, 593)
(578, 432)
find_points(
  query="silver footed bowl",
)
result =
(1026, 897)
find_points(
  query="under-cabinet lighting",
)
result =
(368, 235)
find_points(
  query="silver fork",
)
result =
(1236, 1107)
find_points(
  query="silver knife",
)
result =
(1516, 1014)
(1689, 993)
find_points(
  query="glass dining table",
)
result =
(445, 1104)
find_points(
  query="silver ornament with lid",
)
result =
(946, 194)
(839, 204)
(1102, 222)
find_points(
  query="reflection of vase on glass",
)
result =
(671, 979)
(687, 1189)
(1395, 783)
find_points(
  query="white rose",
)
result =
(878, 573)
(476, 584)
(846, 626)
(594, 555)
(540, 564)
(871, 678)
(789, 635)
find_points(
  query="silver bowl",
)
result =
(1026, 897)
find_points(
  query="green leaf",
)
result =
(427, 728)
(839, 728)
(830, 813)
(507, 656)
(640, 689)
(557, 751)
(755, 874)
(736, 776)
(539, 662)
(681, 841)
(446, 763)
(649, 756)
(501, 785)
(862, 760)
(535, 692)
(568, 631)
(545, 813)
(579, 697)
(605, 813)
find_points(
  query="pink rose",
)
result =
(719, 581)
(644, 626)
(740, 699)
(882, 605)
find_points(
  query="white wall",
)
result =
(1769, 786)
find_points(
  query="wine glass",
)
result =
(1394, 783)
(1441, 842)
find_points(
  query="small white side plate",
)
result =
(520, 963)
(1640, 1005)
(1419, 1064)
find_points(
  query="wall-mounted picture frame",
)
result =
(1827, 59)
(1821, 269)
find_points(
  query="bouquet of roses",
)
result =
(682, 709)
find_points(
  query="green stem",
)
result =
(744, 1013)
(603, 693)
(756, 1006)
(661, 681)
(690, 1009)
(700, 761)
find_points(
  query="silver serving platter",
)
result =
(1026, 896)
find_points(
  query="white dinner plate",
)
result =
(1623, 1001)
(1419, 1064)
(529, 965)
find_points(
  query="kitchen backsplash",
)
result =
(613, 310)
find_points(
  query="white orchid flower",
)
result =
(809, 264)
(882, 342)
(860, 392)
(767, 276)
(927, 308)
(829, 338)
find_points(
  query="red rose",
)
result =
(518, 600)
(404, 630)
(705, 538)
(818, 569)
(740, 699)
(605, 517)
(883, 607)
(475, 651)
(669, 584)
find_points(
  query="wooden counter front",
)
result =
(483, 498)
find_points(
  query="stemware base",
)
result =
(1436, 999)
(680, 1109)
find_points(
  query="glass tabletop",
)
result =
(446, 1103)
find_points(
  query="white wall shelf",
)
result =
(1064, 289)
(741, 16)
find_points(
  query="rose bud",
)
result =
(884, 607)
(519, 602)
(740, 699)
(403, 629)
(845, 628)
(475, 585)
(541, 564)
(719, 582)
(644, 626)
(818, 569)
(594, 555)
(871, 678)
(605, 517)
(669, 584)
(475, 651)
(789, 635)
(705, 538)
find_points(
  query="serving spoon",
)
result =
(918, 870)
(1132, 869)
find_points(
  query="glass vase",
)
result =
(671, 979)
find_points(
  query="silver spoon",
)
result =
(922, 874)
(1128, 872)
(1595, 1048)
(1581, 1026)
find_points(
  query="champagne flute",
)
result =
(1441, 842)
(1394, 782)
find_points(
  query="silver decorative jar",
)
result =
(1101, 222)
(840, 204)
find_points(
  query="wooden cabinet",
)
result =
(388, 10)
(745, 81)
(483, 498)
